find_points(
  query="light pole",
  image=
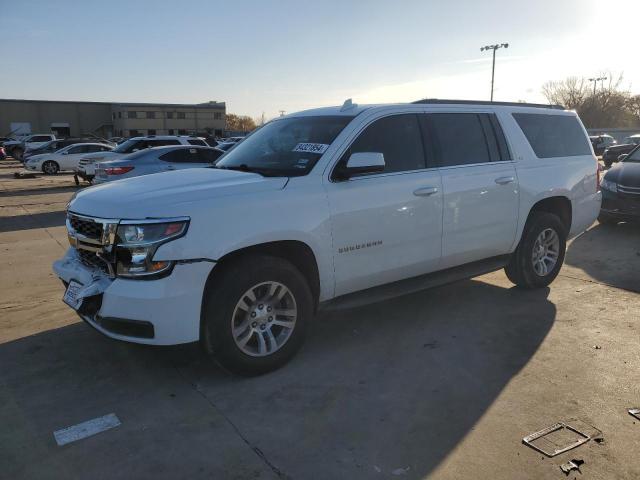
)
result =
(493, 65)
(595, 81)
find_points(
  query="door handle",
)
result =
(425, 191)
(505, 180)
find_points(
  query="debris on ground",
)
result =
(23, 175)
(571, 465)
(401, 471)
(556, 439)
(597, 347)
(635, 412)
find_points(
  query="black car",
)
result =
(621, 190)
(601, 142)
(611, 154)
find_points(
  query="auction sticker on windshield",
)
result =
(318, 148)
(71, 295)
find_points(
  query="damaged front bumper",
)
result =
(165, 311)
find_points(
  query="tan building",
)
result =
(68, 118)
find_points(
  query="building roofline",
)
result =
(124, 104)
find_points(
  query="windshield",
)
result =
(634, 156)
(288, 147)
(126, 147)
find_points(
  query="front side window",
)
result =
(397, 137)
(553, 136)
(286, 147)
(76, 149)
(634, 156)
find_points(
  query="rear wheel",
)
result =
(540, 253)
(50, 167)
(255, 314)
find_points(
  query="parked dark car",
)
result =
(55, 145)
(601, 142)
(611, 154)
(621, 190)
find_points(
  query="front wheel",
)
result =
(538, 258)
(50, 167)
(255, 314)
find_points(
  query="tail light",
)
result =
(2, 151)
(117, 170)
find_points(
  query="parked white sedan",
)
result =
(66, 158)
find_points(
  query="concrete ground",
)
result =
(442, 384)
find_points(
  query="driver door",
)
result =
(386, 226)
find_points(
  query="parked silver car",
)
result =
(155, 160)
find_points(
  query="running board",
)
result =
(415, 284)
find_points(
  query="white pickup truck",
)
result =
(16, 148)
(337, 206)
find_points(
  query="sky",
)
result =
(266, 56)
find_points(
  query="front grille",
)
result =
(91, 260)
(86, 227)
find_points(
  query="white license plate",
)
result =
(71, 295)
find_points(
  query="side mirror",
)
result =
(622, 157)
(361, 163)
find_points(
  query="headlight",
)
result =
(137, 242)
(609, 185)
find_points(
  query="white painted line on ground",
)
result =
(86, 429)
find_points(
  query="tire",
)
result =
(523, 269)
(17, 153)
(605, 219)
(50, 167)
(226, 304)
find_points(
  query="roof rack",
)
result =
(439, 101)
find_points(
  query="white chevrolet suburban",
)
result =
(332, 206)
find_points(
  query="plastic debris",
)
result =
(400, 471)
(556, 439)
(571, 465)
(635, 412)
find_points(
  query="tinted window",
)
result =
(40, 138)
(553, 136)
(197, 141)
(159, 143)
(209, 155)
(459, 139)
(94, 148)
(397, 138)
(181, 155)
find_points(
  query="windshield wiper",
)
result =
(243, 167)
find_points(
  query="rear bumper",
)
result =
(154, 312)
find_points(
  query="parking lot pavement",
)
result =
(441, 384)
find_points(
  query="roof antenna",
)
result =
(348, 105)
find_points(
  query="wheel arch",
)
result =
(558, 205)
(296, 252)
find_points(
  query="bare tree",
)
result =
(240, 123)
(569, 93)
(608, 106)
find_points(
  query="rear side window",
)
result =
(209, 155)
(398, 138)
(553, 136)
(182, 155)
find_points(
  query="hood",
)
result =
(625, 173)
(168, 193)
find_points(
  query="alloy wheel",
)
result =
(264, 318)
(546, 251)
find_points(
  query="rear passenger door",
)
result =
(480, 186)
